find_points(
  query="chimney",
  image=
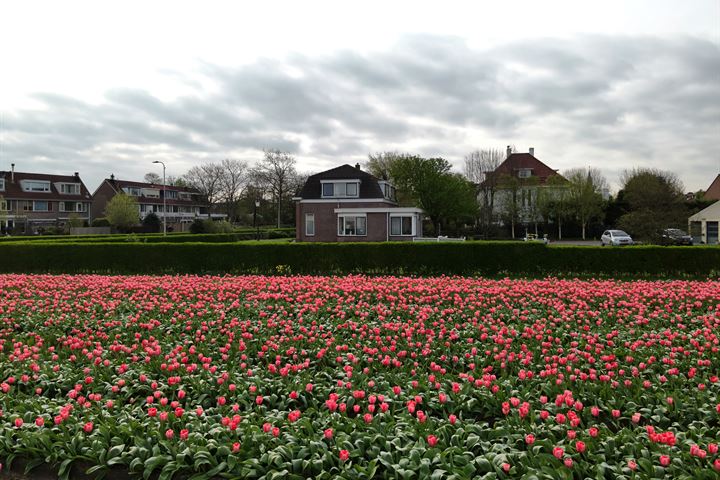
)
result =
(112, 177)
(532, 151)
(357, 165)
(12, 173)
(509, 151)
(77, 175)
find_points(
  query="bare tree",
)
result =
(276, 172)
(479, 168)
(380, 164)
(152, 177)
(206, 178)
(233, 180)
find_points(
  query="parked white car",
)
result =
(615, 238)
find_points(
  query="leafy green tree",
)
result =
(585, 194)
(122, 211)
(654, 200)
(552, 202)
(429, 184)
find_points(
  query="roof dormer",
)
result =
(340, 188)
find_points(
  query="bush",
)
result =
(197, 226)
(100, 222)
(152, 222)
(473, 258)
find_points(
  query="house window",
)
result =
(34, 186)
(387, 190)
(80, 207)
(135, 192)
(70, 188)
(309, 224)
(41, 206)
(349, 225)
(151, 193)
(2, 184)
(524, 173)
(171, 194)
(401, 225)
(339, 189)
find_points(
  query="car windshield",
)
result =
(675, 231)
(618, 233)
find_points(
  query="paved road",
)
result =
(584, 243)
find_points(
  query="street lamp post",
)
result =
(257, 227)
(164, 197)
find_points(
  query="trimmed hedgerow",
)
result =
(485, 258)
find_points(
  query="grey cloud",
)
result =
(634, 95)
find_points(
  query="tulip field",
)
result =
(296, 377)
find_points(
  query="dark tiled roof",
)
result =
(118, 185)
(521, 161)
(13, 190)
(369, 187)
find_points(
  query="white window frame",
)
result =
(341, 221)
(80, 207)
(150, 193)
(335, 184)
(47, 206)
(412, 226)
(133, 191)
(27, 188)
(3, 206)
(309, 221)
(171, 194)
(524, 173)
(2, 184)
(65, 186)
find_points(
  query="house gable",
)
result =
(713, 191)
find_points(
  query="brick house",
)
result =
(183, 204)
(511, 190)
(346, 204)
(33, 202)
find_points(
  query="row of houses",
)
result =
(33, 202)
(338, 205)
(346, 204)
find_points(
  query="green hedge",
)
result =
(156, 237)
(485, 258)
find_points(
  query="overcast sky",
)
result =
(108, 87)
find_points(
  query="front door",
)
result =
(711, 229)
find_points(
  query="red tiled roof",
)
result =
(13, 189)
(521, 161)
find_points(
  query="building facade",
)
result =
(35, 202)
(511, 192)
(704, 226)
(346, 204)
(183, 204)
